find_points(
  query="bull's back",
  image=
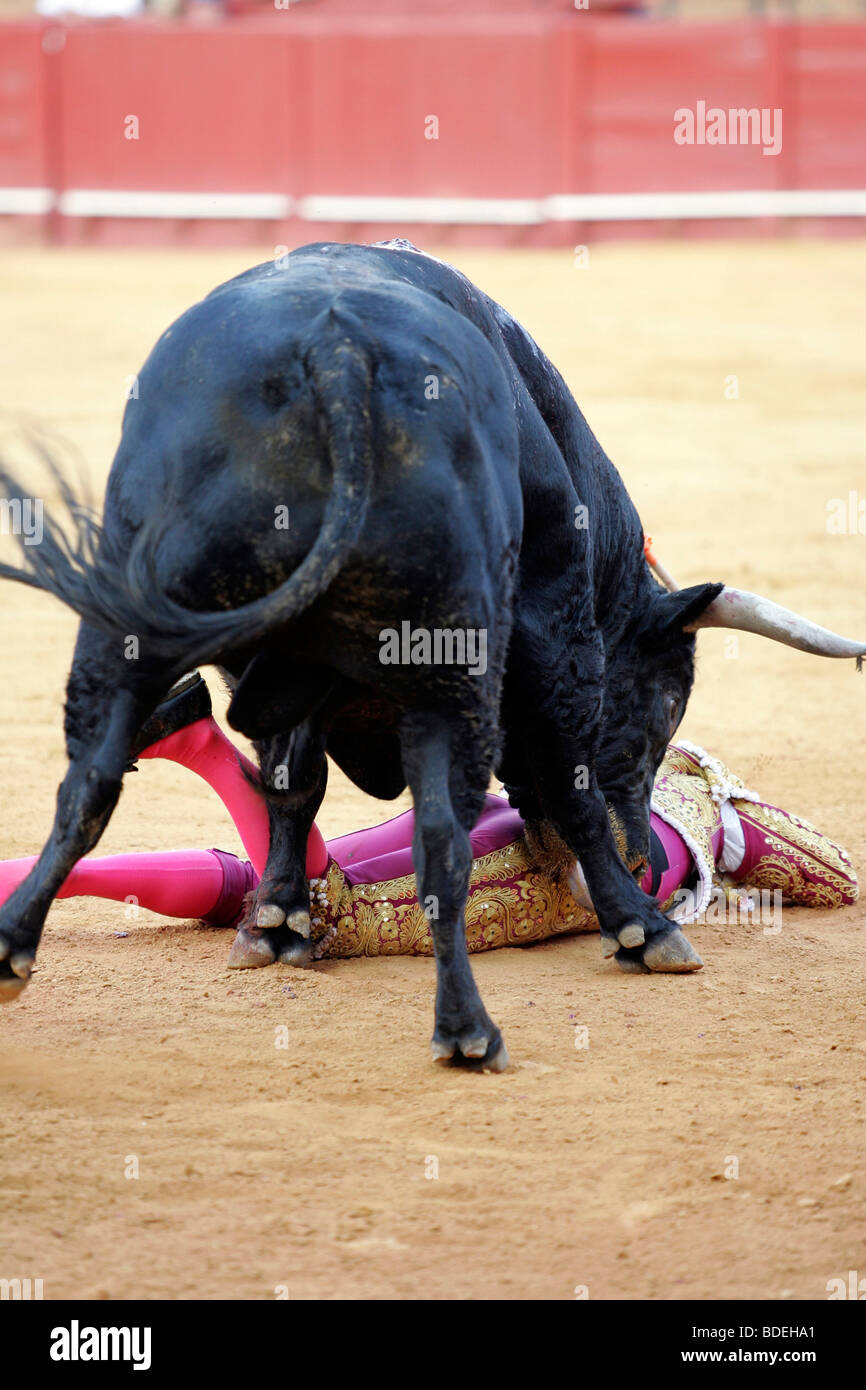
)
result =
(229, 444)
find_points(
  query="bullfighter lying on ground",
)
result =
(711, 837)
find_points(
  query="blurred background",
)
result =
(496, 122)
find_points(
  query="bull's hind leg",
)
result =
(277, 926)
(447, 763)
(107, 700)
(283, 707)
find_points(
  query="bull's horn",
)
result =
(737, 608)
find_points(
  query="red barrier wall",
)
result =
(23, 126)
(213, 110)
(300, 107)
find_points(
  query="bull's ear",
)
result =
(670, 614)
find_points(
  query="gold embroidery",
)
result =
(807, 866)
(512, 901)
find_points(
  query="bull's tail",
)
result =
(118, 591)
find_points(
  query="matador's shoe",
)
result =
(762, 846)
(187, 701)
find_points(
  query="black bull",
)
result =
(323, 450)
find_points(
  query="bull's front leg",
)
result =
(551, 736)
(632, 928)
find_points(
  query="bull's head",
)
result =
(649, 679)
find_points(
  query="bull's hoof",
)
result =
(632, 966)
(632, 935)
(14, 975)
(668, 953)
(294, 951)
(672, 953)
(479, 1051)
(270, 915)
(299, 921)
(250, 950)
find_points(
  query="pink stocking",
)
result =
(204, 749)
(186, 883)
(385, 851)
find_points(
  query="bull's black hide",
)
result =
(322, 451)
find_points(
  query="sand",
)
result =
(709, 1141)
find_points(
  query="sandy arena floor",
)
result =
(602, 1167)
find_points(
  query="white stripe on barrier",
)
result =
(590, 207)
(634, 207)
(109, 202)
(23, 201)
(511, 212)
(561, 207)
